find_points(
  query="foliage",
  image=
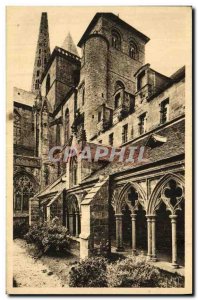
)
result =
(90, 272)
(49, 237)
(20, 228)
(134, 271)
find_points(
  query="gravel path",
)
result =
(30, 272)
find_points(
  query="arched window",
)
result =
(119, 90)
(83, 96)
(67, 129)
(133, 53)
(39, 63)
(118, 100)
(116, 40)
(73, 170)
(24, 189)
(17, 128)
(119, 85)
(48, 84)
(58, 140)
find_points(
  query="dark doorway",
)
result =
(141, 231)
(126, 228)
(163, 234)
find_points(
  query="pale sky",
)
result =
(167, 27)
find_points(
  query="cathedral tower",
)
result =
(42, 53)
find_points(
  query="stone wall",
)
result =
(176, 95)
(95, 221)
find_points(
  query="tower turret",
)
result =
(42, 53)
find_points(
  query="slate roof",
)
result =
(175, 145)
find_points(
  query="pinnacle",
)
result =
(69, 45)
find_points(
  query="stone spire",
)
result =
(69, 45)
(42, 53)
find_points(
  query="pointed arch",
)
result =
(67, 126)
(123, 192)
(72, 204)
(115, 39)
(48, 84)
(154, 201)
(25, 187)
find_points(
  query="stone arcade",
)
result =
(108, 96)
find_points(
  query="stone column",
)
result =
(48, 213)
(153, 220)
(77, 225)
(149, 237)
(119, 232)
(174, 240)
(133, 226)
(71, 224)
(66, 220)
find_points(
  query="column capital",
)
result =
(133, 215)
(173, 216)
(119, 215)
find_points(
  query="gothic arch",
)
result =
(121, 197)
(25, 187)
(67, 126)
(72, 204)
(28, 174)
(72, 215)
(155, 198)
(116, 39)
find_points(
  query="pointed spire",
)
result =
(69, 45)
(42, 53)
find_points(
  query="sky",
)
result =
(167, 27)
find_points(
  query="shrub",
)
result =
(134, 271)
(20, 228)
(90, 272)
(49, 237)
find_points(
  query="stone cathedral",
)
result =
(105, 96)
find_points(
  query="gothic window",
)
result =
(38, 63)
(99, 116)
(111, 139)
(37, 73)
(116, 40)
(67, 135)
(48, 84)
(45, 60)
(133, 53)
(119, 90)
(73, 170)
(17, 128)
(37, 84)
(58, 139)
(118, 100)
(119, 85)
(125, 133)
(164, 111)
(24, 189)
(83, 96)
(142, 123)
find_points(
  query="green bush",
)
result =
(49, 237)
(90, 272)
(134, 271)
(20, 228)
